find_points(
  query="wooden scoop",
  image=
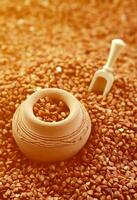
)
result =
(103, 79)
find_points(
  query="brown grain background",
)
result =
(37, 36)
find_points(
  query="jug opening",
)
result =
(51, 109)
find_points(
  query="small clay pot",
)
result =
(51, 141)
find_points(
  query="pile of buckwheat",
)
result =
(50, 109)
(61, 44)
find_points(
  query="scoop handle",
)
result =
(116, 47)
